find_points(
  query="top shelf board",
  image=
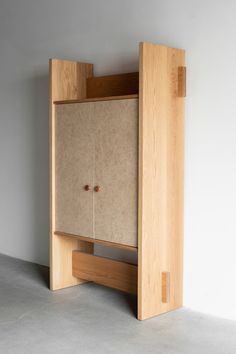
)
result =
(95, 99)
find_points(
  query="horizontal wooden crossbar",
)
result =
(115, 274)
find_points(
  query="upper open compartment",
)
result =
(110, 87)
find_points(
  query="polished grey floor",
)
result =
(93, 319)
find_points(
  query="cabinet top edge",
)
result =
(97, 99)
(141, 44)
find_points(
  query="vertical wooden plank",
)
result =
(67, 80)
(161, 139)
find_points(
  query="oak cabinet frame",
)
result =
(160, 88)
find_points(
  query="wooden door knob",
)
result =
(87, 187)
(97, 189)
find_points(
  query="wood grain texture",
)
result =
(62, 252)
(97, 99)
(116, 171)
(165, 278)
(113, 85)
(161, 140)
(67, 80)
(182, 81)
(115, 274)
(99, 242)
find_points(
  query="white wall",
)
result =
(107, 33)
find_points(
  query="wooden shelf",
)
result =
(96, 241)
(95, 99)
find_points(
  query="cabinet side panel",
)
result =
(161, 129)
(67, 80)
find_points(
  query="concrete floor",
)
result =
(93, 319)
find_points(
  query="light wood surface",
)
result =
(113, 85)
(182, 81)
(67, 80)
(115, 274)
(110, 98)
(116, 171)
(161, 127)
(62, 271)
(99, 242)
(165, 287)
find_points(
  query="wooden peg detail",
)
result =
(165, 287)
(182, 81)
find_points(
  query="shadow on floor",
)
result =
(42, 274)
(131, 303)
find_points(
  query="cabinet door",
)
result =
(74, 161)
(116, 158)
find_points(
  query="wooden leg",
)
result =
(61, 261)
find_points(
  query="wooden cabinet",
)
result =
(97, 149)
(121, 135)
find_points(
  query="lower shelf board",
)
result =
(104, 271)
(99, 242)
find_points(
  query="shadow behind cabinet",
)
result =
(116, 165)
